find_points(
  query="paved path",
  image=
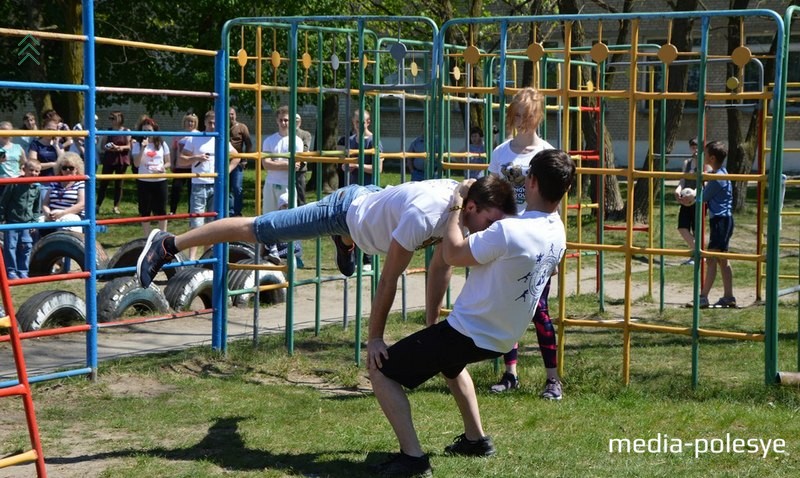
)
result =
(49, 354)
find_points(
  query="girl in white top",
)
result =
(151, 156)
(510, 160)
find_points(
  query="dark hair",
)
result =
(157, 141)
(117, 116)
(693, 141)
(718, 150)
(476, 130)
(554, 171)
(27, 116)
(493, 191)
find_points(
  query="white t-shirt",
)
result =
(517, 256)
(514, 167)
(202, 145)
(279, 144)
(414, 214)
(154, 160)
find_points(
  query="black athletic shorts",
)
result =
(686, 217)
(432, 350)
(720, 234)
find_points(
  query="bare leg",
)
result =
(463, 390)
(162, 225)
(146, 228)
(688, 237)
(223, 230)
(726, 271)
(394, 403)
(711, 274)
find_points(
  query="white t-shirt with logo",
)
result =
(514, 167)
(202, 145)
(517, 256)
(278, 144)
(154, 160)
(414, 214)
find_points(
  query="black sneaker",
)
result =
(507, 382)
(406, 465)
(153, 256)
(345, 256)
(463, 446)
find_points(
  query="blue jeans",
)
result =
(237, 195)
(326, 217)
(200, 201)
(17, 246)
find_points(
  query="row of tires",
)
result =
(188, 288)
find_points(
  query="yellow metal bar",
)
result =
(27, 457)
(257, 267)
(266, 287)
(620, 324)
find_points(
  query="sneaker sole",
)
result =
(146, 248)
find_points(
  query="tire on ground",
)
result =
(50, 309)
(124, 296)
(245, 279)
(188, 284)
(128, 255)
(62, 244)
(237, 251)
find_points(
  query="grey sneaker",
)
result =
(465, 447)
(726, 302)
(405, 465)
(153, 256)
(552, 389)
(507, 382)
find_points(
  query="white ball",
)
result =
(688, 196)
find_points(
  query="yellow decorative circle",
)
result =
(732, 83)
(241, 57)
(667, 53)
(414, 68)
(456, 73)
(306, 60)
(741, 56)
(472, 55)
(275, 59)
(365, 62)
(535, 52)
(599, 52)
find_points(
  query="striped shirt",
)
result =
(65, 197)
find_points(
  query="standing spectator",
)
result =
(300, 177)
(79, 144)
(46, 149)
(20, 203)
(179, 184)
(64, 141)
(240, 139)
(351, 144)
(65, 200)
(29, 123)
(476, 146)
(116, 159)
(151, 156)
(198, 153)
(277, 180)
(686, 211)
(12, 156)
(510, 160)
(416, 166)
(718, 194)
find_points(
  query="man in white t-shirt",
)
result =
(198, 154)
(395, 221)
(510, 263)
(276, 182)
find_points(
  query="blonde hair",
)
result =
(72, 158)
(189, 116)
(529, 103)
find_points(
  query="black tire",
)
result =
(245, 279)
(50, 309)
(123, 296)
(237, 251)
(128, 254)
(62, 244)
(188, 284)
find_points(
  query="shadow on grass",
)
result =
(224, 447)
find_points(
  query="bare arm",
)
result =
(438, 278)
(455, 247)
(396, 262)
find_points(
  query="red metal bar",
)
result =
(49, 332)
(161, 318)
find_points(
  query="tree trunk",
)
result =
(678, 75)
(330, 134)
(73, 61)
(613, 205)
